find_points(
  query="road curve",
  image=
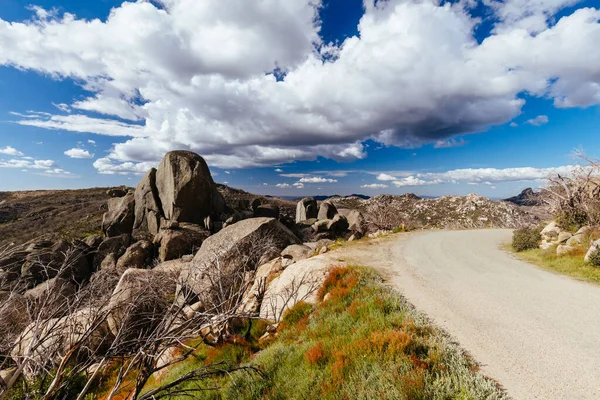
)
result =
(536, 333)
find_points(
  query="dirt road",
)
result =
(535, 332)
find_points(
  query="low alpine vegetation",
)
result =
(362, 341)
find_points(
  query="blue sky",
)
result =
(287, 98)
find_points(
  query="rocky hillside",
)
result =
(449, 212)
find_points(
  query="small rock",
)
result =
(267, 211)
(563, 236)
(323, 250)
(593, 248)
(563, 249)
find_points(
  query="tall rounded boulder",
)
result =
(148, 209)
(186, 189)
(306, 209)
(120, 216)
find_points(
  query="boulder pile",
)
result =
(172, 239)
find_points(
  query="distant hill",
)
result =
(527, 198)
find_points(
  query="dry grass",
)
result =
(571, 264)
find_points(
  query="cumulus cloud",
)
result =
(78, 153)
(248, 83)
(474, 176)
(278, 170)
(299, 185)
(538, 121)
(375, 186)
(317, 179)
(47, 168)
(283, 185)
(386, 177)
(11, 151)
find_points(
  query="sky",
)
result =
(300, 97)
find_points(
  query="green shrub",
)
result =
(595, 258)
(526, 239)
(295, 314)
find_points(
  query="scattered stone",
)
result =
(306, 209)
(551, 231)
(564, 236)
(593, 248)
(323, 250)
(186, 189)
(119, 218)
(563, 249)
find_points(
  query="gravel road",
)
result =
(536, 333)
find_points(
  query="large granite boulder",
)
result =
(239, 247)
(306, 209)
(148, 209)
(180, 240)
(327, 211)
(140, 296)
(186, 189)
(356, 221)
(54, 293)
(50, 340)
(298, 282)
(338, 224)
(119, 218)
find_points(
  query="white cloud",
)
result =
(46, 168)
(278, 170)
(538, 121)
(62, 107)
(375, 186)
(386, 177)
(106, 166)
(78, 153)
(11, 151)
(514, 125)
(412, 181)
(317, 179)
(283, 185)
(299, 185)
(474, 176)
(448, 143)
(250, 83)
(92, 142)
